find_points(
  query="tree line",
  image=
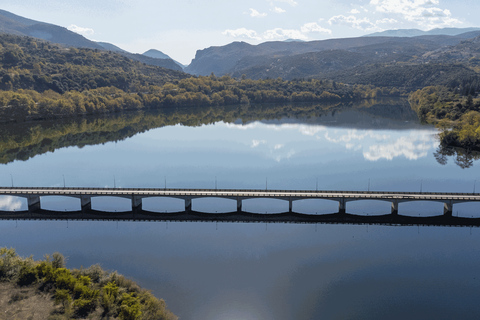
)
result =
(457, 115)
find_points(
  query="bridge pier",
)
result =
(290, 205)
(394, 210)
(33, 203)
(86, 202)
(136, 203)
(188, 204)
(342, 206)
(239, 204)
(448, 208)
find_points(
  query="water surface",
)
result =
(260, 271)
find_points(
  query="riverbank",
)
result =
(45, 289)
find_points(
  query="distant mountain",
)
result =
(153, 53)
(417, 32)
(13, 24)
(111, 47)
(157, 54)
(291, 60)
(17, 25)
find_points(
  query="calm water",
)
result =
(274, 271)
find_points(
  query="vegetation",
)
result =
(79, 293)
(39, 80)
(457, 115)
(42, 81)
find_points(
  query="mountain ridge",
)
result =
(11, 23)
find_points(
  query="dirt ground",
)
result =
(17, 303)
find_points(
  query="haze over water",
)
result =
(274, 271)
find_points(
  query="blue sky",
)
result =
(179, 28)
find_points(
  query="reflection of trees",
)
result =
(22, 141)
(463, 158)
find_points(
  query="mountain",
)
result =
(418, 32)
(13, 24)
(153, 53)
(290, 60)
(17, 25)
(467, 52)
(111, 47)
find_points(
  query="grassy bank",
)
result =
(45, 289)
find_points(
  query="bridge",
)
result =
(136, 195)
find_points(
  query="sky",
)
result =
(179, 28)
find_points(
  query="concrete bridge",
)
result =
(136, 195)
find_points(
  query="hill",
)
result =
(17, 25)
(153, 53)
(282, 59)
(42, 66)
(418, 32)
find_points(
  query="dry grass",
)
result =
(24, 303)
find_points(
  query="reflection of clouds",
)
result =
(256, 143)
(283, 156)
(384, 146)
(411, 147)
(10, 203)
(353, 135)
(305, 129)
(376, 144)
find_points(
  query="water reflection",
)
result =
(21, 141)
(462, 158)
(276, 271)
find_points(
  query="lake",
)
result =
(257, 270)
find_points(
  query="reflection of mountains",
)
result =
(24, 140)
(377, 117)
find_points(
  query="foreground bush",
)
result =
(82, 293)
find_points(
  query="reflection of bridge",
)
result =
(136, 195)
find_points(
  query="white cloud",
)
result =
(80, 30)
(354, 11)
(10, 203)
(352, 21)
(426, 13)
(293, 3)
(278, 146)
(314, 27)
(242, 33)
(255, 14)
(282, 34)
(386, 21)
(278, 10)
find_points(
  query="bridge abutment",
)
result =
(394, 210)
(188, 204)
(342, 206)
(448, 208)
(33, 203)
(136, 203)
(86, 202)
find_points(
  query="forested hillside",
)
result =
(456, 114)
(40, 80)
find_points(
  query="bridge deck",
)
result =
(33, 196)
(232, 193)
